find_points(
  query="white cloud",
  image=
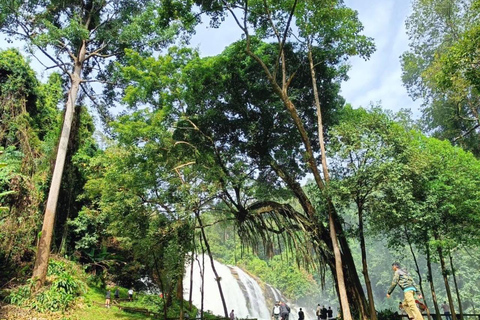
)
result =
(379, 79)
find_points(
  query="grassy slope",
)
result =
(93, 308)
(88, 307)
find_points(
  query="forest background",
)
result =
(220, 153)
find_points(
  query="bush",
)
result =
(66, 283)
(387, 315)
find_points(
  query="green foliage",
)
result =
(387, 315)
(66, 283)
(440, 68)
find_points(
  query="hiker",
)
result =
(284, 311)
(107, 299)
(276, 311)
(446, 311)
(232, 315)
(130, 294)
(323, 313)
(317, 312)
(330, 313)
(116, 295)
(403, 279)
(301, 315)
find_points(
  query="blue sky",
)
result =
(378, 79)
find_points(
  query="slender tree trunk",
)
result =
(354, 289)
(432, 287)
(445, 280)
(217, 278)
(333, 232)
(202, 273)
(63, 242)
(180, 294)
(460, 309)
(417, 268)
(44, 245)
(355, 285)
(162, 286)
(373, 314)
(192, 261)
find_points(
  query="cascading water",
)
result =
(247, 303)
(242, 293)
(256, 300)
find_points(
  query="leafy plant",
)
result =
(67, 283)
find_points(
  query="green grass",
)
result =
(86, 298)
(93, 306)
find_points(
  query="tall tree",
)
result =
(81, 39)
(274, 19)
(363, 144)
(437, 192)
(440, 68)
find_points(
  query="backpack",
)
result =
(276, 310)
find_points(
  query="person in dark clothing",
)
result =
(301, 315)
(323, 313)
(116, 295)
(108, 296)
(284, 311)
(330, 313)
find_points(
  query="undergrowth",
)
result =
(65, 282)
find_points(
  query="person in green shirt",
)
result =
(403, 279)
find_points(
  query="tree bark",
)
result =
(445, 280)
(162, 286)
(460, 309)
(432, 287)
(190, 303)
(203, 280)
(371, 302)
(180, 294)
(355, 289)
(217, 278)
(333, 232)
(350, 270)
(44, 245)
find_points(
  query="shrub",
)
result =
(387, 315)
(66, 283)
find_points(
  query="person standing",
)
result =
(232, 315)
(403, 279)
(276, 311)
(329, 313)
(284, 311)
(108, 296)
(323, 313)
(301, 315)
(116, 295)
(446, 311)
(130, 294)
(317, 312)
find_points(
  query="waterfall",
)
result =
(242, 293)
(255, 299)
